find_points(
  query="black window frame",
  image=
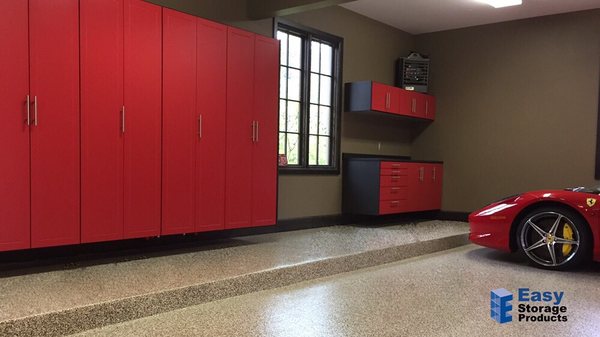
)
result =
(309, 34)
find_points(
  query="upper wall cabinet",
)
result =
(373, 96)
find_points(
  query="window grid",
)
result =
(313, 116)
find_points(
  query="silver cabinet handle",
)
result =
(414, 105)
(28, 103)
(123, 120)
(434, 174)
(35, 110)
(253, 131)
(427, 109)
(421, 173)
(387, 100)
(257, 131)
(200, 126)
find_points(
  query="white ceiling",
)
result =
(424, 16)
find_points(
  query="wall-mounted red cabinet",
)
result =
(372, 96)
(375, 186)
(39, 123)
(120, 118)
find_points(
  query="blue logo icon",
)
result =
(501, 306)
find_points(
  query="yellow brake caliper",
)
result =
(567, 234)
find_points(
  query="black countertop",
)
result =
(377, 157)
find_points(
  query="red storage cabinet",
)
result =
(377, 186)
(179, 123)
(14, 128)
(210, 119)
(240, 128)
(142, 117)
(54, 83)
(145, 121)
(264, 150)
(372, 96)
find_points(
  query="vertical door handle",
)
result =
(257, 130)
(28, 103)
(434, 174)
(253, 131)
(414, 105)
(387, 100)
(427, 109)
(35, 110)
(200, 126)
(421, 173)
(123, 120)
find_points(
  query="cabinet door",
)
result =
(54, 80)
(240, 77)
(430, 107)
(264, 153)
(437, 185)
(101, 112)
(384, 98)
(419, 102)
(179, 122)
(211, 117)
(142, 97)
(405, 103)
(14, 132)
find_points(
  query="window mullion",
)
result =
(305, 101)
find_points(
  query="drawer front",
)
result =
(394, 171)
(392, 206)
(393, 193)
(394, 165)
(385, 181)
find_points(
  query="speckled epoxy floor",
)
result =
(39, 293)
(442, 294)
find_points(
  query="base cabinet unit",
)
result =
(365, 96)
(377, 186)
(120, 118)
(39, 123)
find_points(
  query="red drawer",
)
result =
(393, 193)
(393, 206)
(394, 171)
(393, 165)
(385, 181)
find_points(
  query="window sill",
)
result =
(308, 171)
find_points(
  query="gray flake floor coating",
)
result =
(32, 295)
(441, 294)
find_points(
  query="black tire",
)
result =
(537, 242)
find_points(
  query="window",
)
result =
(309, 99)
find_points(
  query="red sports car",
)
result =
(556, 229)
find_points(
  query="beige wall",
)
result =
(517, 105)
(370, 50)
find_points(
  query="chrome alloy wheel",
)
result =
(549, 239)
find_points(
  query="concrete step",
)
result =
(61, 302)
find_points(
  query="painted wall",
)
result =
(517, 106)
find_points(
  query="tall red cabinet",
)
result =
(120, 118)
(194, 91)
(252, 82)
(39, 118)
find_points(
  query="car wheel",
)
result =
(554, 238)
